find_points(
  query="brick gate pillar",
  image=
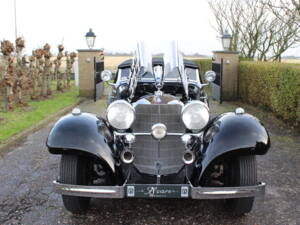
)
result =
(229, 73)
(86, 71)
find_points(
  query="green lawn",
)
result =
(14, 122)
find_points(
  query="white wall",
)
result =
(76, 72)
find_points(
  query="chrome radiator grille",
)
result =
(153, 156)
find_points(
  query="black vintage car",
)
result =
(158, 140)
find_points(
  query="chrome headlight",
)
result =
(120, 114)
(195, 115)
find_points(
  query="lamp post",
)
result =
(226, 40)
(226, 66)
(90, 66)
(15, 14)
(90, 39)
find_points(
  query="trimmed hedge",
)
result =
(275, 86)
(204, 64)
(272, 85)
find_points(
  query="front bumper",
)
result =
(160, 191)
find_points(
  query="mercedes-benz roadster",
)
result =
(159, 140)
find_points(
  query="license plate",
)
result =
(157, 191)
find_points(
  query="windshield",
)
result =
(171, 61)
(174, 65)
(166, 54)
(142, 61)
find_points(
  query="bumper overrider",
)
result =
(159, 191)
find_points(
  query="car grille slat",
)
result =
(153, 156)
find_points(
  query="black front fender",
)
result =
(232, 133)
(80, 134)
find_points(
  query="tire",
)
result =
(74, 170)
(242, 172)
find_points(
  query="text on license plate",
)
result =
(157, 191)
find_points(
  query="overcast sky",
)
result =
(118, 24)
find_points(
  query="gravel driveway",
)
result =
(27, 171)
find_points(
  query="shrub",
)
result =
(272, 85)
(275, 86)
(204, 64)
(245, 59)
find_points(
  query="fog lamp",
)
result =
(210, 76)
(106, 75)
(159, 131)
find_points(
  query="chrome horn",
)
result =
(188, 157)
(127, 156)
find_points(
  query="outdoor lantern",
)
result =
(226, 40)
(90, 38)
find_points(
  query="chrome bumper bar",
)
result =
(194, 192)
(90, 191)
(228, 192)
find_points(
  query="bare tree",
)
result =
(228, 17)
(253, 29)
(257, 27)
(282, 8)
(288, 35)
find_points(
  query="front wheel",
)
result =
(241, 172)
(74, 170)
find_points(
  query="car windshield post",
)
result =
(141, 65)
(144, 59)
(174, 65)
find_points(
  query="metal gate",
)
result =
(99, 85)
(217, 84)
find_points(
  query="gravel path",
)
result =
(27, 171)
